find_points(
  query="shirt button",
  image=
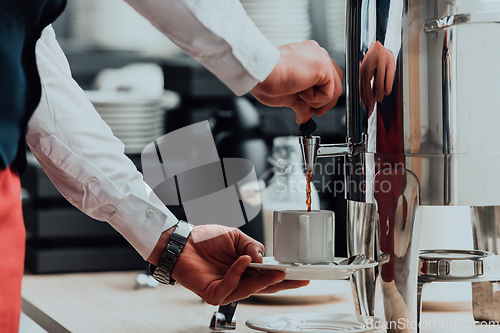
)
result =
(93, 181)
(150, 212)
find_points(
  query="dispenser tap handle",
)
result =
(308, 128)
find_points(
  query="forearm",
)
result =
(85, 161)
(218, 34)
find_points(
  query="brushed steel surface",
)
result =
(421, 92)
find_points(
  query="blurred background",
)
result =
(144, 86)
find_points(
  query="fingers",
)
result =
(303, 111)
(318, 96)
(256, 251)
(249, 246)
(329, 88)
(378, 65)
(305, 79)
(379, 81)
(384, 76)
(339, 71)
(325, 108)
(338, 78)
(231, 279)
(253, 285)
(283, 285)
(361, 87)
(390, 74)
(366, 72)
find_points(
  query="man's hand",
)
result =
(305, 79)
(216, 267)
(378, 64)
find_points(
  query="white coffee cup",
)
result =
(303, 237)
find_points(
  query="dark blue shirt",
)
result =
(21, 23)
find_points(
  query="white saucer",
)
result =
(313, 272)
(314, 323)
(318, 291)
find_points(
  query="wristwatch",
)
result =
(162, 273)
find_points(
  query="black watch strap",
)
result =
(162, 273)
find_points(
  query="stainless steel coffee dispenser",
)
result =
(423, 89)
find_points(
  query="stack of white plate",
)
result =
(113, 24)
(335, 11)
(134, 119)
(281, 21)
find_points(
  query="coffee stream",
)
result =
(308, 189)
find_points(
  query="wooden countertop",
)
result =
(108, 302)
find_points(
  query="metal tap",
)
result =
(312, 148)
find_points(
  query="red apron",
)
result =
(12, 245)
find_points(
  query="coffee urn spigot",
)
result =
(312, 148)
(309, 148)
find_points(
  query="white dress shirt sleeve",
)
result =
(217, 33)
(87, 164)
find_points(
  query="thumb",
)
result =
(249, 246)
(232, 278)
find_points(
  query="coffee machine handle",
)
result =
(303, 238)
